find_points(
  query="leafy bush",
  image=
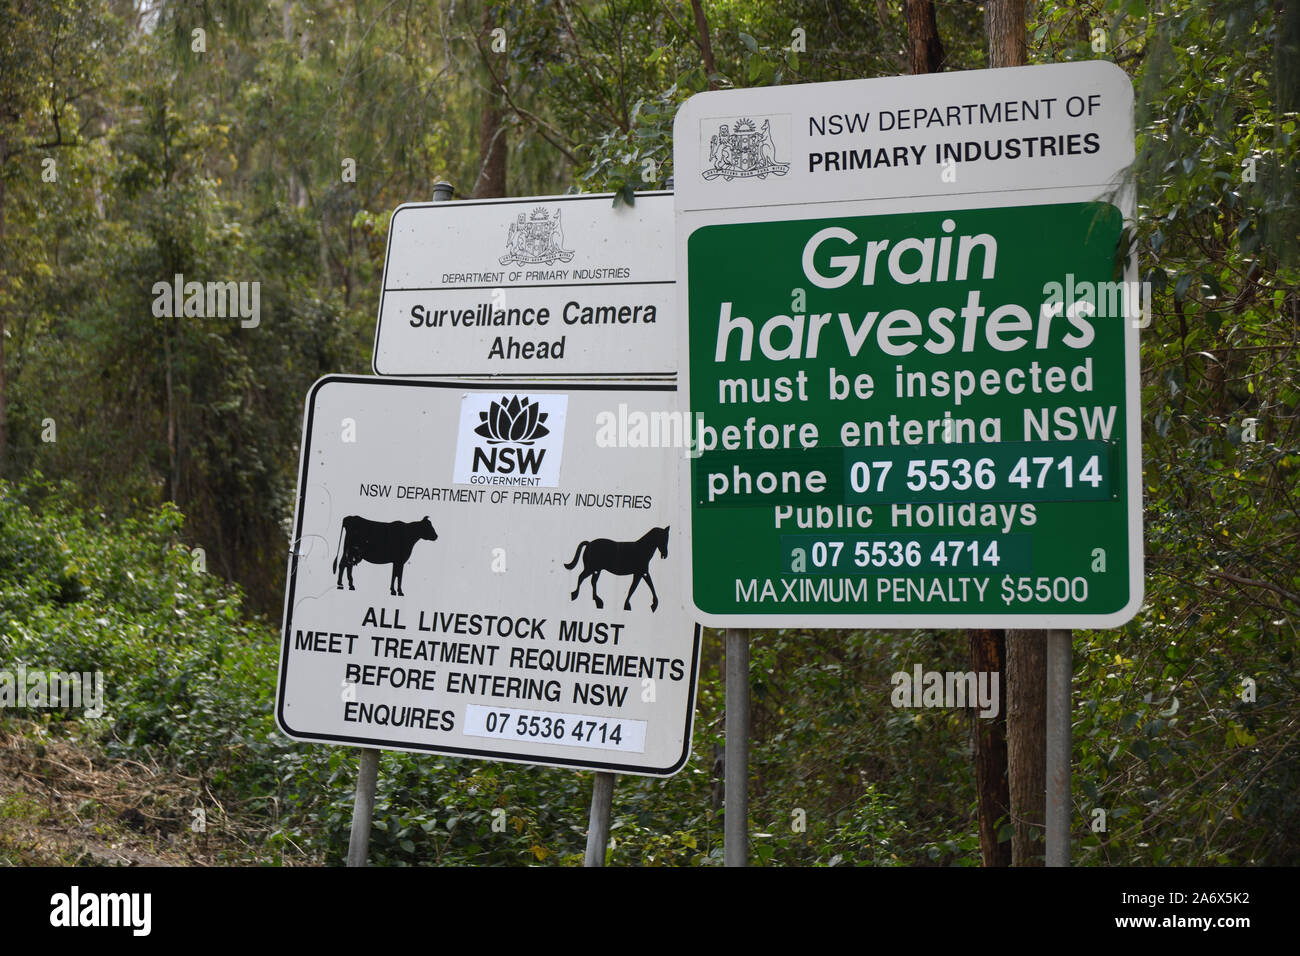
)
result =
(1186, 769)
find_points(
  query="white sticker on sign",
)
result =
(569, 730)
(512, 439)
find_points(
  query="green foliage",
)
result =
(1186, 768)
(656, 66)
(229, 165)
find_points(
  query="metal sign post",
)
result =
(451, 613)
(1058, 747)
(602, 797)
(736, 832)
(363, 804)
(363, 807)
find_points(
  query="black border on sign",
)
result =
(384, 290)
(304, 460)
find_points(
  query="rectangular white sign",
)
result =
(904, 137)
(540, 286)
(430, 607)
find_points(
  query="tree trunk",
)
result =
(4, 381)
(491, 182)
(173, 449)
(706, 44)
(1285, 57)
(1026, 661)
(4, 397)
(988, 654)
(492, 151)
(987, 647)
(924, 49)
(1005, 25)
(1027, 743)
(1281, 230)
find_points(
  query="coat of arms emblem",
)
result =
(537, 239)
(743, 152)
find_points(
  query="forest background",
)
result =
(147, 464)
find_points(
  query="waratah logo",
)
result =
(510, 440)
(518, 421)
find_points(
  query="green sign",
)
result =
(921, 418)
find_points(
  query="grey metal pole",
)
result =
(1059, 666)
(736, 773)
(363, 804)
(602, 795)
(363, 807)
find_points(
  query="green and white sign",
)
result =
(913, 387)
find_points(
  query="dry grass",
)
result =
(63, 802)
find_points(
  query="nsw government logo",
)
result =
(744, 151)
(537, 239)
(514, 440)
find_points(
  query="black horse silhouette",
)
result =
(620, 557)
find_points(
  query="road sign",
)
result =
(913, 378)
(486, 570)
(550, 285)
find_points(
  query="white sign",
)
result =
(550, 285)
(904, 137)
(489, 571)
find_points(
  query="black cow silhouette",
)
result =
(620, 557)
(379, 542)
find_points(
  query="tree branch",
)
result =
(539, 124)
(1251, 582)
(610, 109)
(705, 44)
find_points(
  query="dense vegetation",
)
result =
(232, 161)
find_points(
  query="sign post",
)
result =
(911, 355)
(363, 806)
(736, 774)
(602, 798)
(566, 288)
(1058, 748)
